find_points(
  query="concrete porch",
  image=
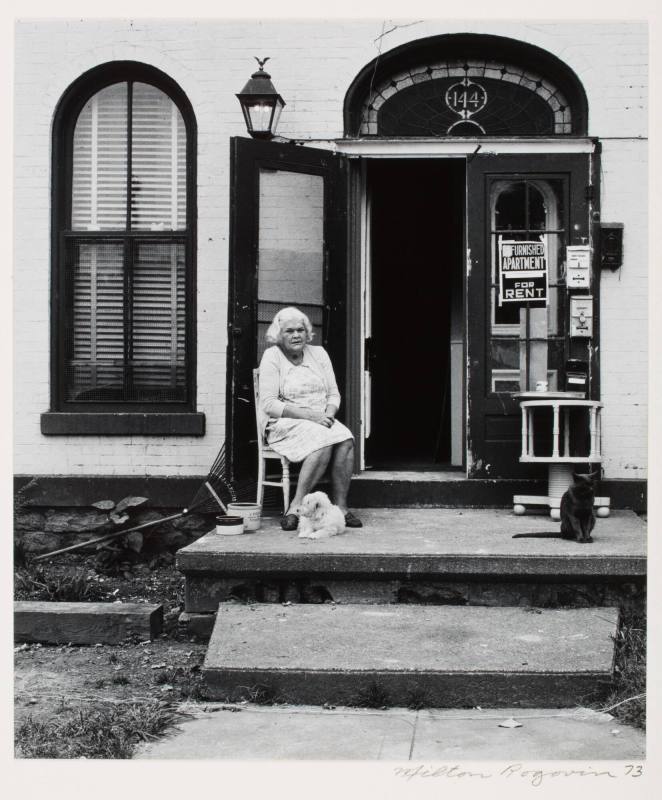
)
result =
(444, 556)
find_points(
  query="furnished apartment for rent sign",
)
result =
(523, 272)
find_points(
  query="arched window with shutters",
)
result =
(123, 225)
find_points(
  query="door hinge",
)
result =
(589, 193)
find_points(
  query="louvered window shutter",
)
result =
(125, 289)
(159, 332)
(100, 162)
(158, 184)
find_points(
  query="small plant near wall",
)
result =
(117, 512)
(117, 556)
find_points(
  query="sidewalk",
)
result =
(240, 732)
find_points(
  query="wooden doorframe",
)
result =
(493, 438)
(358, 228)
(359, 256)
(362, 150)
(247, 157)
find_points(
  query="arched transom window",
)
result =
(465, 98)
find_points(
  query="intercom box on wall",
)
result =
(581, 316)
(578, 267)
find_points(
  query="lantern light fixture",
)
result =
(261, 103)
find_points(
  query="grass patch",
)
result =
(374, 695)
(418, 698)
(186, 681)
(629, 693)
(109, 731)
(34, 583)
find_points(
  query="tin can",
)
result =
(251, 512)
(229, 526)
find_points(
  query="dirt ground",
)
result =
(50, 680)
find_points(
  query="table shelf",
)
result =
(563, 453)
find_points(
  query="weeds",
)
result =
(630, 670)
(262, 694)
(418, 698)
(111, 731)
(21, 558)
(193, 690)
(63, 706)
(20, 555)
(374, 695)
(34, 583)
(186, 680)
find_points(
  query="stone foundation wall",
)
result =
(41, 530)
(204, 593)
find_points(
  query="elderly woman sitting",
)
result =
(299, 399)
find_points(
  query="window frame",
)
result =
(493, 330)
(64, 123)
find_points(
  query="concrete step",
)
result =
(444, 556)
(374, 488)
(403, 655)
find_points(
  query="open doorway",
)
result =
(415, 350)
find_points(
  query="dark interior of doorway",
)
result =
(417, 234)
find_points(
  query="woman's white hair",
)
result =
(274, 334)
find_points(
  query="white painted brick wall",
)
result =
(624, 322)
(313, 63)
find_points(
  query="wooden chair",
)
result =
(265, 453)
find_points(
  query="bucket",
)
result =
(251, 512)
(229, 526)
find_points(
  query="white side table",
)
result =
(560, 461)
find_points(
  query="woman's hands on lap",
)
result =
(321, 418)
(325, 418)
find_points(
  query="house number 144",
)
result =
(466, 98)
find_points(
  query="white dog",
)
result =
(318, 517)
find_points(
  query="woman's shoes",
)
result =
(351, 521)
(289, 522)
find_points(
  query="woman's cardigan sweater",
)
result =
(273, 371)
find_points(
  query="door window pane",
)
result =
(291, 248)
(527, 343)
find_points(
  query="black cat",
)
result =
(577, 513)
